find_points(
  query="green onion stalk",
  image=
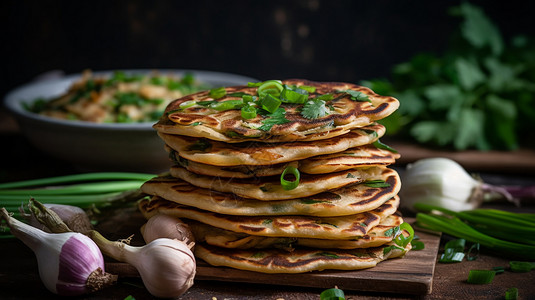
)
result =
(87, 191)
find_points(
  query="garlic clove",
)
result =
(167, 266)
(162, 272)
(166, 226)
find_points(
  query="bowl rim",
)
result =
(14, 98)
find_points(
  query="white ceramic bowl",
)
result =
(133, 147)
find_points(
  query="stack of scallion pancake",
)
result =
(282, 176)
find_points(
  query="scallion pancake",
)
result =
(349, 200)
(367, 155)
(298, 261)
(343, 107)
(377, 236)
(335, 228)
(270, 188)
(253, 153)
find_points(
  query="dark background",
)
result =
(320, 40)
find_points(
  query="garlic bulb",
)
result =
(69, 263)
(166, 226)
(167, 266)
(442, 182)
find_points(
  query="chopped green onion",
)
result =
(451, 256)
(293, 95)
(480, 276)
(511, 294)
(227, 105)
(186, 104)
(521, 266)
(270, 87)
(332, 294)
(290, 185)
(270, 103)
(453, 251)
(248, 112)
(308, 88)
(217, 93)
(400, 239)
(248, 98)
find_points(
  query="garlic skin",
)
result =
(69, 264)
(442, 182)
(166, 226)
(167, 266)
(74, 217)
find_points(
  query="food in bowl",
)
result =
(119, 98)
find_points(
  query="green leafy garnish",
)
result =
(379, 145)
(356, 95)
(314, 108)
(275, 118)
(332, 294)
(378, 183)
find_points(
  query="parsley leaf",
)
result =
(276, 118)
(314, 108)
(356, 95)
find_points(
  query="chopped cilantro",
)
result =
(314, 108)
(356, 95)
(276, 118)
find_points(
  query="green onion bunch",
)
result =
(495, 230)
(87, 191)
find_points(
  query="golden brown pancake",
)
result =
(253, 153)
(270, 188)
(367, 155)
(335, 228)
(377, 236)
(344, 113)
(349, 200)
(298, 261)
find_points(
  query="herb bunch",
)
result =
(477, 95)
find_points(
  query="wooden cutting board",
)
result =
(412, 274)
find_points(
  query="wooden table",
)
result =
(19, 277)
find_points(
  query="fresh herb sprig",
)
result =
(477, 95)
